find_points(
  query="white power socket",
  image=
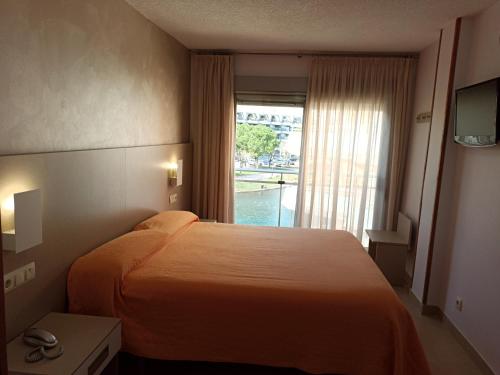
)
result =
(173, 198)
(9, 282)
(29, 271)
(459, 304)
(18, 277)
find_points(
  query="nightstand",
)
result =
(208, 221)
(90, 343)
(389, 250)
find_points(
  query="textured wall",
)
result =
(86, 74)
(80, 74)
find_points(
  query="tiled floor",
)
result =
(445, 354)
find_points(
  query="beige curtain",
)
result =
(212, 134)
(355, 135)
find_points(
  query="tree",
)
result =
(242, 136)
(256, 140)
(262, 141)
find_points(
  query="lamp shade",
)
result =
(27, 229)
(179, 172)
(175, 173)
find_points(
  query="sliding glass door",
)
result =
(267, 163)
(344, 182)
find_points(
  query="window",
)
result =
(267, 162)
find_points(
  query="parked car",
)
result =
(280, 162)
(263, 160)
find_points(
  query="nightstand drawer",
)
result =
(103, 354)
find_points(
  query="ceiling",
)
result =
(306, 25)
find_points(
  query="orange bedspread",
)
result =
(309, 299)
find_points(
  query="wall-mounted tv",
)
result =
(477, 117)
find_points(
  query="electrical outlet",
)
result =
(9, 282)
(18, 277)
(173, 198)
(29, 271)
(459, 304)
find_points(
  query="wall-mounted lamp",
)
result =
(175, 173)
(22, 221)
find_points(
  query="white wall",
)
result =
(467, 256)
(272, 65)
(417, 144)
(434, 154)
(271, 73)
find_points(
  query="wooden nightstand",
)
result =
(90, 343)
(389, 250)
(208, 221)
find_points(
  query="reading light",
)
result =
(22, 221)
(8, 204)
(175, 173)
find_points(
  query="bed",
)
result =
(303, 298)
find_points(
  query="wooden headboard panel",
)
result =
(89, 197)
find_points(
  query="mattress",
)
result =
(303, 298)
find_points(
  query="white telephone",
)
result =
(42, 341)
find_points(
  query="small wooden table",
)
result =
(90, 343)
(389, 250)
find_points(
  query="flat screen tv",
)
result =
(477, 117)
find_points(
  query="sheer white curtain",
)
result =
(355, 132)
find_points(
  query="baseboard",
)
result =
(408, 281)
(435, 311)
(431, 310)
(467, 346)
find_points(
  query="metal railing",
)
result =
(280, 181)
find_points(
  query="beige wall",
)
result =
(272, 65)
(467, 253)
(271, 73)
(81, 74)
(417, 144)
(88, 198)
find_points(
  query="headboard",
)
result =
(88, 198)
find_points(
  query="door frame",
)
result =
(3, 338)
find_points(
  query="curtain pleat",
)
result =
(355, 134)
(212, 134)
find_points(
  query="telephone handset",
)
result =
(42, 341)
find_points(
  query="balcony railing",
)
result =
(266, 196)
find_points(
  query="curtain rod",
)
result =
(299, 54)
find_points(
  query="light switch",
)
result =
(29, 271)
(18, 277)
(173, 198)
